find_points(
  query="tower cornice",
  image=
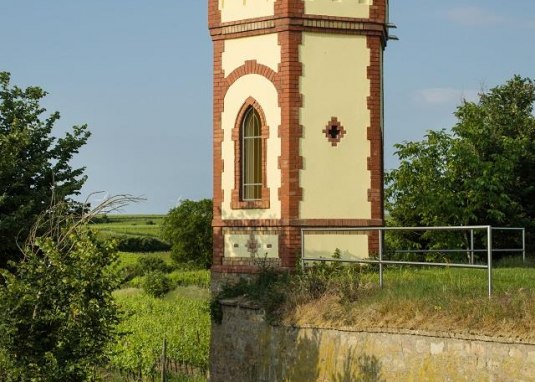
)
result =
(303, 23)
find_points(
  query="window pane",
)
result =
(257, 160)
(251, 156)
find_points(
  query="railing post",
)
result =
(381, 232)
(302, 250)
(489, 260)
(472, 246)
(523, 245)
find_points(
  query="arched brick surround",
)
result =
(237, 202)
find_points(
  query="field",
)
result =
(136, 225)
(181, 317)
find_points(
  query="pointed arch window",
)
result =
(251, 156)
(250, 141)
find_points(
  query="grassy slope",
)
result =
(446, 300)
(137, 225)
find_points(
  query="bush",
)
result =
(57, 313)
(156, 284)
(268, 288)
(148, 265)
(126, 243)
(100, 219)
(129, 272)
(188, 228)
(275, 291)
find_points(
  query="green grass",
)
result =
(198, 277)
(434, 299)
(180, 278)
(128, 230)
(130, 258)
(190, 292)
(421, 282)
(134, 225)
(453, 300)
(134, 219)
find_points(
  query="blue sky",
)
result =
(138, 72)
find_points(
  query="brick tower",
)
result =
(298, 109)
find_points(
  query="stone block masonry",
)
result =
(246, 348)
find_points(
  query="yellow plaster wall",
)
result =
(340, 8)
(236, 245)
(265, 49)
(265, 93)
(232, 10)
(335, 180)
(351, 246)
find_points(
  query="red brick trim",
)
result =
(219, 89)
(289, 8)
(252, 67)
(218, 246)
(214, 14)
(290, 161)
(290, 130)
(237, 202)
(250, 262)
(378, 11)
(263, 224)
(334, 124)
(243, 269)
(298, 22)
(367, 30)
(375, 136)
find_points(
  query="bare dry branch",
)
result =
(59, 221)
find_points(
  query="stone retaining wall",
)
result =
(245, 348)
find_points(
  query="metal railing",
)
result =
(382, 262)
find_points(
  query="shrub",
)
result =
(56, 308)
(129, 272)
(276, 291)
(188, 228)
(100, 219)
(148, 265)
(156, 284)
(140, 244)
(269, 288)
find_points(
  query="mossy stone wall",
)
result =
(246, 348)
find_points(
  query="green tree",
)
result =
(34, 165)
(56, 307)
(188, 228)
(482, 172)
